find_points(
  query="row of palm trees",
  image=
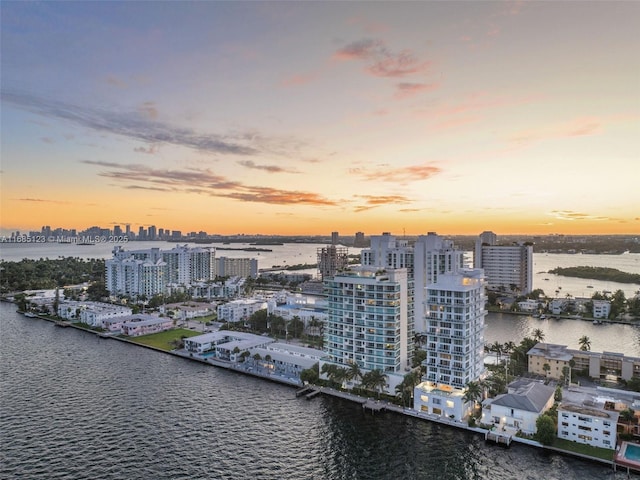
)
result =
(374, 380)
(537, 335)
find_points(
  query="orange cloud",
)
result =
(373, 201)
(402, 174)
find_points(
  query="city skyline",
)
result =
(306, 118)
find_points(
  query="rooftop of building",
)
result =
(529, 396)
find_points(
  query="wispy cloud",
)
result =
(406, 174)
(150, 150)
(570, 215)
(133, 125)
(379, 60)
(298, 79)
(204, 182)
(574, 128)
(40, 200)
(266, 168)
(407, 89)
(373, 201)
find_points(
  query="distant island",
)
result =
(598, 273)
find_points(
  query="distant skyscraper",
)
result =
(506, 267)
(359, 241)
(152, 235)
(331, 259)
(334, 238)
(117, 230)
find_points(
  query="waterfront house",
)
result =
(589, 424)
(145, 325)
(519, 408)
(223, 344)
(601, 308)
(91, 313)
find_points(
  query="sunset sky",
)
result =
(312, 117)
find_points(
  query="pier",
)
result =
(499, 438)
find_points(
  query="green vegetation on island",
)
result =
(598, 273)
(49, 274)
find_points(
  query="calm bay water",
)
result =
(294, 253)
(74, 406)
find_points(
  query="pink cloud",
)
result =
(380, 62)
(298, 79)
(578, 127)
(406, 89)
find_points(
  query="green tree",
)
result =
(546, 367)
(296, 327)
(310, 375)
(375, 380)
(557, 395)
(545, 430)
(585, 343)
(419, 356)
(472, 393)
(354, 373)
(405, 388)
(538, 335)
(628, 416)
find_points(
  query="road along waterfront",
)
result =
(78, 406)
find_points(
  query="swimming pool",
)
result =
(632, 452)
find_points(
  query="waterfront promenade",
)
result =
(369, 404)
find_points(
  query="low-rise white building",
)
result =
(145, 325)
(91, 313)
(440, 400)
(240, 310)
(305, 307)
(187, 310)
(591, 425)
(225, 344)
(601, 308)
(287, 359)
(520, 407)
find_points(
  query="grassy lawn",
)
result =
(209, 318)
(163, 340)
(583, 449)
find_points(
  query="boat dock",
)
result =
(373, 406)
(499, 438)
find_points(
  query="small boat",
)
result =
(543, 316)
(589, 286)
(30, 314)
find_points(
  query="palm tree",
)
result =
(508, 347)
(405, 388)
(339, 375)
(585, 343)
(375, 380)
(267, 358)
(538, 335)
(498, 349)
(472, 393)
(354, 373)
